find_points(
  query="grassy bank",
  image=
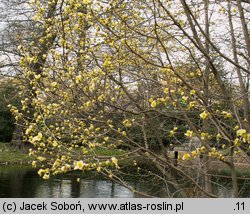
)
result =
(10, 156)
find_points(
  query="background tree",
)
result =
(8, 95)
(20, 30)
(137, 75)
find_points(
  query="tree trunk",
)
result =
(36, 68)
(205, 125)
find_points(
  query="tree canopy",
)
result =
(140, 76)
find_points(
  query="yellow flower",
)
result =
(241, 132)
(107, 61)
(101, 98)
(192, 104)
(192, 74)
(55, 144)
(114, 161)
(194, 153)
(65, 168)
(38, 137)
(40, 158)
(78, 179)
(204, 115)
(166, 90)
(78, 79)
(56, 163)
(171, 133)
(153, 104)
(221, 157)
(237, 142)
(38, 76)
(203, 149)
(218, 136)
(46, 176)
(53, 84)
(227, 114)
(236, 127)
(237, 152)
(107, 163)
(222, 10)
(42, 144)
(189, 133)
(203, 136)
(127, 123)
(40, 172)
(33, 163)
(186, 156)
(106, 139)
(79, 165)
(185, 98)
(192, 92)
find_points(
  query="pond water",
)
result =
(24, 182)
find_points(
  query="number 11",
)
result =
(240, 206)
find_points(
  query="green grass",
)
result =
(107, 152)
(10, 156)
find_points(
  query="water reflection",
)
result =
(24, 182)
(85, 188)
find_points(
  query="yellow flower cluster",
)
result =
(186, 156)
(127, 123)
(44, 173)
(115, 162)
(79, 165)
(189, 134)
(204, 115)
